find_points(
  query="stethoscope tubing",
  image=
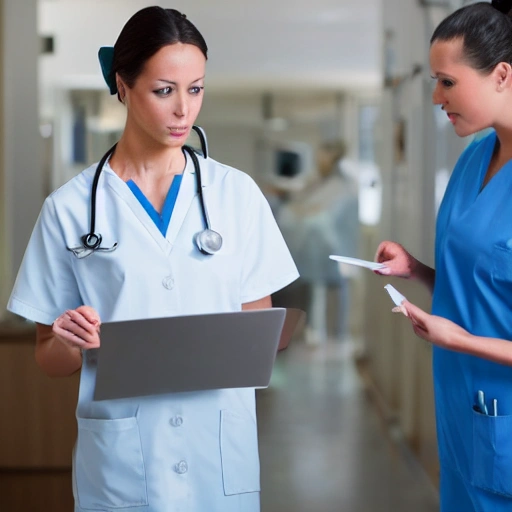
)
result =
(92, 240)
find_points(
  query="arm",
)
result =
(446, 334)
(401, 263)
(264, 303)
(59, 346)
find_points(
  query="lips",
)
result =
(178, 130)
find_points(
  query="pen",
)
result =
(481, 402)
(495, 407)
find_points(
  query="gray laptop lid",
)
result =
(188, 353)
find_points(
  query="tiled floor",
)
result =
(323, 446)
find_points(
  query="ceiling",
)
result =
(264, 44)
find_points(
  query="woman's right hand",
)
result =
(78, 328)
(398, 261)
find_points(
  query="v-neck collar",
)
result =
(185, 197)
(490, 145)
(160, 219)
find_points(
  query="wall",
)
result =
(413, 147)
(287, 44)
(20, 162)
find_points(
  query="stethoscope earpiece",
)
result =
(208, 242)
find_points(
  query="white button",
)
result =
(181, 467)
(177, 421)
(168, 282)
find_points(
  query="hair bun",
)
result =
(503, 6)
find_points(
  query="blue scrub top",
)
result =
(473, 288)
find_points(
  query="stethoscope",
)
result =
(207, 241)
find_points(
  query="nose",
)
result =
(437, 95)
(181, 105)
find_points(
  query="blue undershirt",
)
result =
(163, 219)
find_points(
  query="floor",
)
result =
(323, 445)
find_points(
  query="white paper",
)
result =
(395, 295)
(372, 265)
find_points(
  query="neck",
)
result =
(504, 143)
(134, 159)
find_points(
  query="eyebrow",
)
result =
(174, 83)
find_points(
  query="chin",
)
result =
(464, 132)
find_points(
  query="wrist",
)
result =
(459, 341)
(415, 270)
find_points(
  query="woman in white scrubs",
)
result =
(193, 452)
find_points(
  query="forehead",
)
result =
(173, 59)
(447, 54)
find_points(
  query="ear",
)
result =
(502, 74)
(121, 88)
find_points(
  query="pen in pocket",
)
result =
(482, 407)
(481, 402)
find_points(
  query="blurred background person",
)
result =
(320, 220)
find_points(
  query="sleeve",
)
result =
(267, 263)
(45, 285)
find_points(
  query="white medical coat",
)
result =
(193, 452)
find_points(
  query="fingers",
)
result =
(400, 309)
(415, 313)
(74, 328)
(90, 314)
(397, 260)
(382, 251)
(418, 317)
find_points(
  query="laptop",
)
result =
(190, 353)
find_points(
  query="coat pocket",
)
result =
(239, 453)
(109, 468)
(492, 453)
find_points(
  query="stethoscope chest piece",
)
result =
(91, 241)
(208, 241)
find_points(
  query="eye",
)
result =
(164, 91)
(445, 82)
(196, 90)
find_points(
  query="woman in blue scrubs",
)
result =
(471, 321)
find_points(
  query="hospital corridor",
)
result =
(315, 141)
(324, 444)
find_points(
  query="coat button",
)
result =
(181, 468)
(177, 421)
(168, 282)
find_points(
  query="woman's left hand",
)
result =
(435, 329)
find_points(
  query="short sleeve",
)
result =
(45, 285)
(267, 263)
